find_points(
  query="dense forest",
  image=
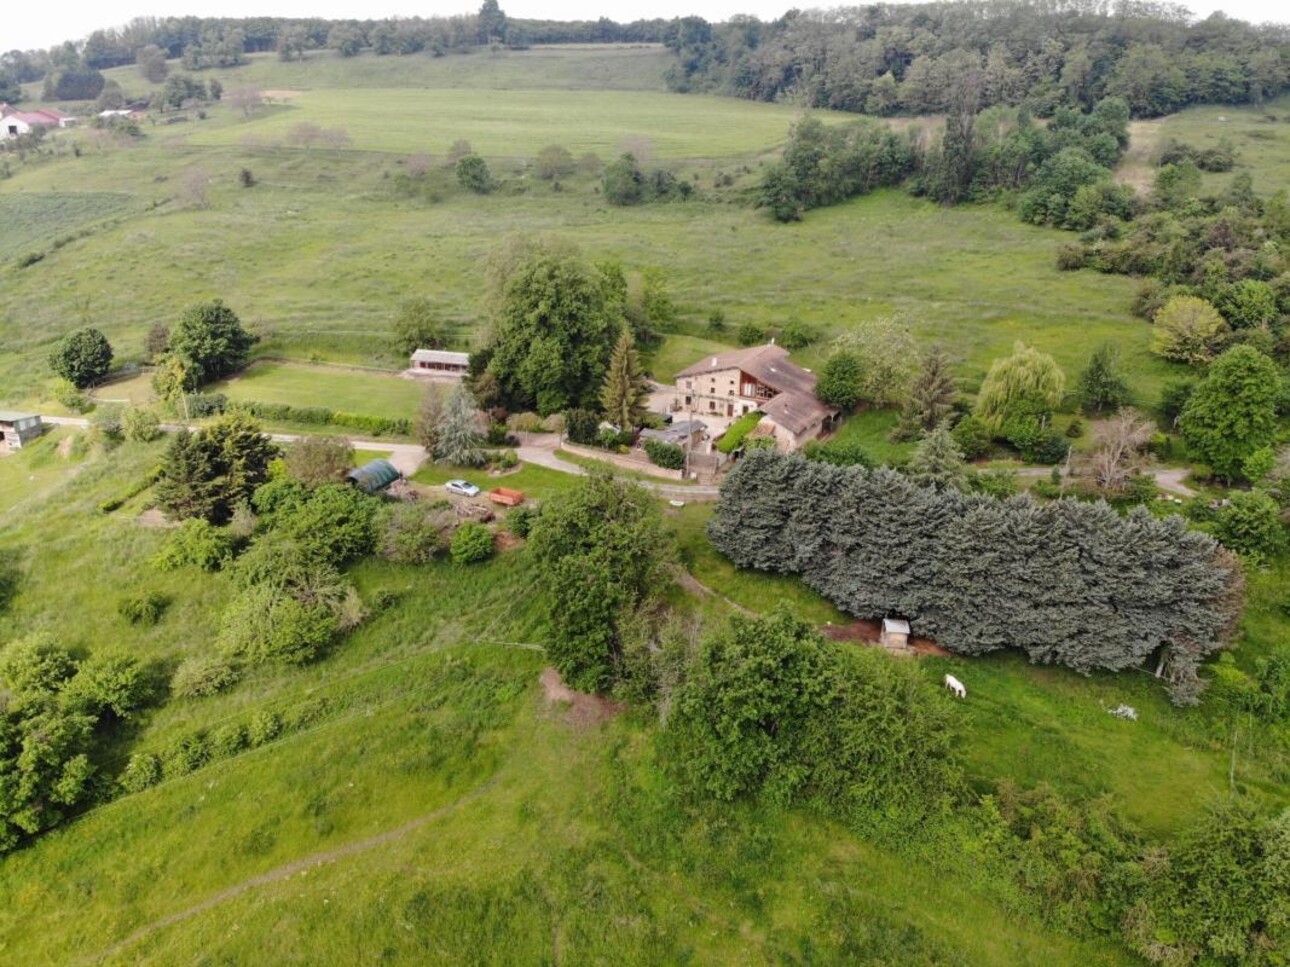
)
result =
(911, 58)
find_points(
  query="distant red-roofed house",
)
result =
(14, 122)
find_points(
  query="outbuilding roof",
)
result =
(441, 356)
(373, 476)
(796, 412)
(895, 626)
(10, 416)
(677, 432)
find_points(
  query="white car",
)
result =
(463, 488)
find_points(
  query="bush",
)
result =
(69, 396)
(36, 666)
(264, 623)
(520, 520)
(186, 754)
(669, 456)
(228, 740)
(264, 727)
(1000, 484)
(140, 425)
(1251, 525)
(472, 543)
(840, 453)
(473, 174)
(203, 676)
(109, 681)
(973, 438)
(143, 609)
(195, 543)
(321, 416)
(410, 535)
(199, 406)
(335, 523)
(751, 334)
(582, 427)
(143, 771)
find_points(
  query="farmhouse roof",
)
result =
(373, 476)
(440, 356)
(796, 412)
(768, 364)
(12, 416)
(44, 116)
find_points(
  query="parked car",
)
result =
(463, 488)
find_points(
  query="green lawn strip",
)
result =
(27, 474)
(536, 482)
(345, 391)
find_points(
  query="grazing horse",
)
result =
(955, 686)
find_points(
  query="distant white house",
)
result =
(14, 123)
(440, 363)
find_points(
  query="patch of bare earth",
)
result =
(582, 709)
(153, 517)
(1137, 167)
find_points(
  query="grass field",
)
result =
(343, 390)
(32, 222)
(522, 123)
(1259, 135)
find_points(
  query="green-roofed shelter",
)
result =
(19, 429)
(374, 476)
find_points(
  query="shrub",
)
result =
(973, 438)
(840, 453)
(140, 425)
(796, 334)
(751, 333)
(473, 174)
(410, 535)
(36, 666)
(1000, 484)
(318, 460)
(264, 623)
(471, 543)
(143, 609)
(202, 676)
(264, 727)
(69, 396)
(186, 754)
(143, 771)
(669, 456)
(195, 543)
(582, 426)
(199, 406)
(1075, 429)
(109, 681)
(1251, 525)
(336, 523)
(520, 519)
(228, 740)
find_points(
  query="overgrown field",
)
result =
(33, 222)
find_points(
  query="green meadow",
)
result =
(428, 804)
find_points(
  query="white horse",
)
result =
(956, 686)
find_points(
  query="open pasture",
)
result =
(523, 122)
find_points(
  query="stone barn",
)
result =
(19, 429)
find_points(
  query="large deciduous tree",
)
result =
(1187, 329)
(888, 356)
(1233, 412)
(554, 337)
(417, 325)
(211, 341)
(83, 357)
(602, 554)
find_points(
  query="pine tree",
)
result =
(931, 398)
(1101, 387)
(625, 393)
(938, 461)
(185, 489)
(458, 443)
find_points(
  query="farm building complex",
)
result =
(14, 123)
(759, 378)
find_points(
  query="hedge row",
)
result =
(1068, 583)
(321, 416)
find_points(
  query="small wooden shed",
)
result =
(895, 634)
(374, 476)
(19, 429)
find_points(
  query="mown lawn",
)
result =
(345, 391)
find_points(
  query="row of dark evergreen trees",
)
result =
(911, 58)
(1067, 583)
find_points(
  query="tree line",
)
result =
(1068, 583)
(911, 58)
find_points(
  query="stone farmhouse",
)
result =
(760, 378)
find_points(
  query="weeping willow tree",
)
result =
(1028, 382)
